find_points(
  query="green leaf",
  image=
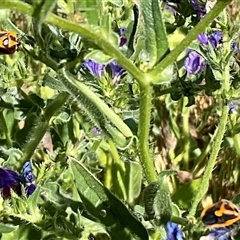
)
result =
(99, 57)
(158, 204)
(13, 154)
(24, 231)
(33, 205)
(156, 43)
(90, 10)
(166, 173)
(185, 193)
(53, 83)
(126, 177)
(94, 107)
(43, 9)
(51, 193)
(166, 76)
(176, 210)
(104, 206)
(7, 228)
(133, 180)
(117, 3)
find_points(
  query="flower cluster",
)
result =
(12, 180)
(99, 69)
(195, 63)
(215, 39)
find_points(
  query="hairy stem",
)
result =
(42, 126)
(192, 35)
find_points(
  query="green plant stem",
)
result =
(217, 140)
(143, 129)
(78, 88)
(192, 35)
(203, 187)
(97, 37)
(42, 126)
(6, 131)
(179, 220)
(92, 34)
(185, 131)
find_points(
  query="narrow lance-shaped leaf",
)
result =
(7, 228)
(105, 207)
(43, 9)
(153, 28)
(97, 110)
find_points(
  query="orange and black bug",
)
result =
(221, 214)
(9, 42)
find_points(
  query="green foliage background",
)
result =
(155, 158)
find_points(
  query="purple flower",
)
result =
(232, 107)
(98, 69)
(218, 233)
(123, 39)
(203, 38)
(172, 8)
(194, 63)
(96, 131)
(27, 173)
(216, 38)
(234, 47)
(29, 178)
(30, 189)
(9, 180)
(117, 71)
(201, 11)
(173, 231)
(95, 68)
(12, 180)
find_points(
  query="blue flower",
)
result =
(95, 68)
(194, 63)
(27, 173)
(30, 189)
(98, 69)
(173, 231)
(219, 234)
(96, 131)
(9, 180)
(12, 180)
(215, 38)
(117, 71)
(29, 178)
